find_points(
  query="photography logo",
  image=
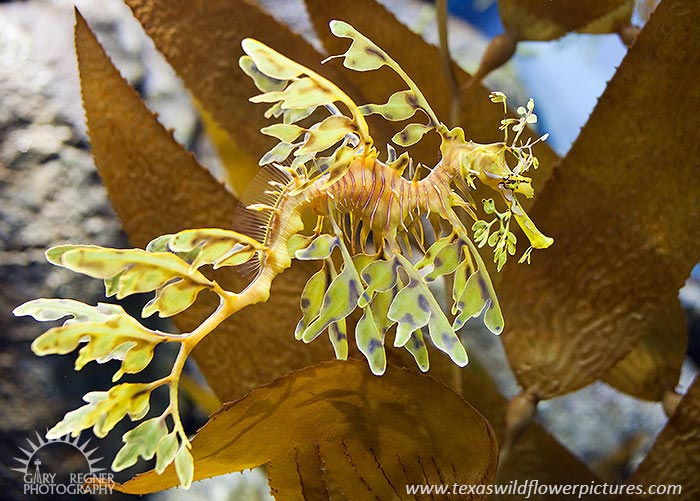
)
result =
(37, 480)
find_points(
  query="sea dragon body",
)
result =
(377, 195)
(372, 215)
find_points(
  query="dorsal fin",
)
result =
(257, 207)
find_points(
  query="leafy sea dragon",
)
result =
(371, 214)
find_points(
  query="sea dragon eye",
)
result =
(385, 231)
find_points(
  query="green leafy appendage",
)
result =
(169, 267)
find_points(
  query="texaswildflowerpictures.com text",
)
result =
(527, 488)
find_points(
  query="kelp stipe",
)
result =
(372, 214)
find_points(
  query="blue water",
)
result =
(565, 76)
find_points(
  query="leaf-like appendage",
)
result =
(363, 54)
(296, 115)
(472, 289)
(284, 132)
(410, 309)
(126, 271)
(172, 299)
(140, 441)
(471, 301)
(214, 246)
(411, 134)
(338, 335)
(47, 310)
(270, 62)
(105, 409)
(108, 331)
(320, 248)
(444, 337)
(339, 301)
(430, 254)
(328, 133)
(184, 466)
(312, 299)
(441, 332)
(261, 80)
(387, 299)
(416, 347)
(401, 106)
(371, 342)
(302, 93)
(278, 154)
(473, 293)
(166, 451)
(445, 261)
(537, 239)
(379, 276)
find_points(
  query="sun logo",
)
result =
(39, 481)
